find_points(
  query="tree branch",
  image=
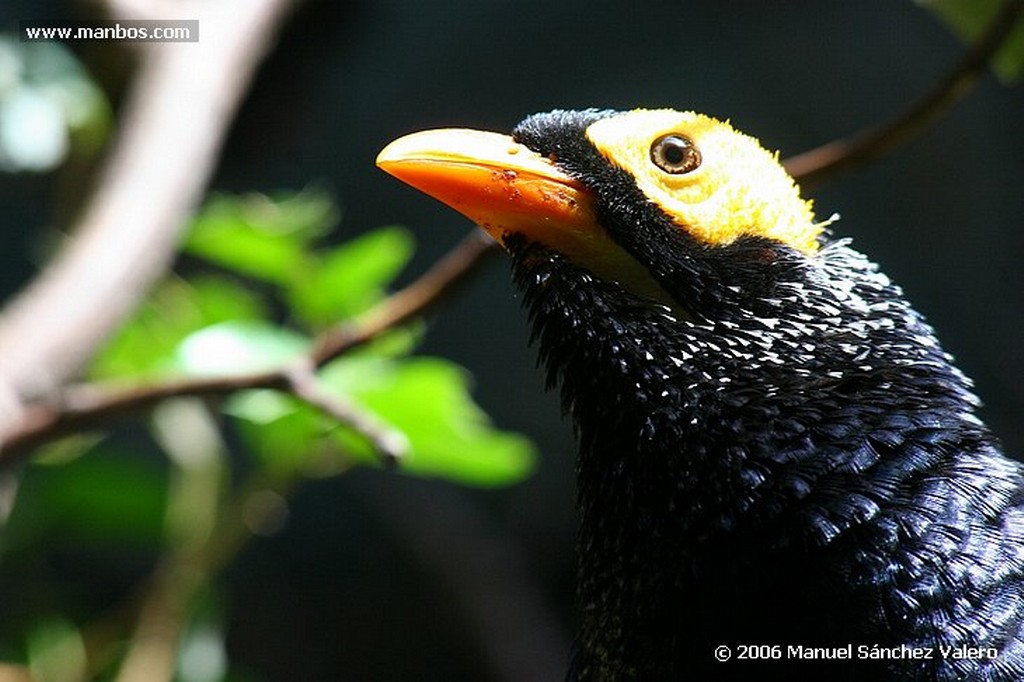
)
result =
(813, 166)
(432, 287)
(391, 445)
(89, 406)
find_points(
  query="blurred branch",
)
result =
(390, 444)
(205, 528)
(152, 648)
(182, 100)
(188, 433)
(433, 286)
(157, 608)
(822, 162)
(89, 406)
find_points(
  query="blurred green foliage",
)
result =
(212, 324)
(259, 284)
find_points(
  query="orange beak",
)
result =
(506, 188)
(497, 183)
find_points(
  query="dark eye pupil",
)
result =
(675, 154)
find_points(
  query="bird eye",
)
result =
(675, 154)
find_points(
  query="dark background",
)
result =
(380, 577)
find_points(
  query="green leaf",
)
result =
(260, 406)
(259, 236)
(428, 400)
(284, 435)
(968, 18)
(145, 346)
(109, 498)
(56, 650)
(287, 436)
(395, 343)
(239, 347)
(351, 277)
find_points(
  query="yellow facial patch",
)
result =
(737, 189)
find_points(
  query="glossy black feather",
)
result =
(784, 456)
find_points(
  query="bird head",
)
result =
(685, 301)
(632, 196)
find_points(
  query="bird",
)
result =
(779, 468)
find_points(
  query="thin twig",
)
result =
(91, 406)
(817, 164)
(391, 445)
(432, 287)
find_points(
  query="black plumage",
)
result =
(774, 450)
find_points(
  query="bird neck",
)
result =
(745, 446)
